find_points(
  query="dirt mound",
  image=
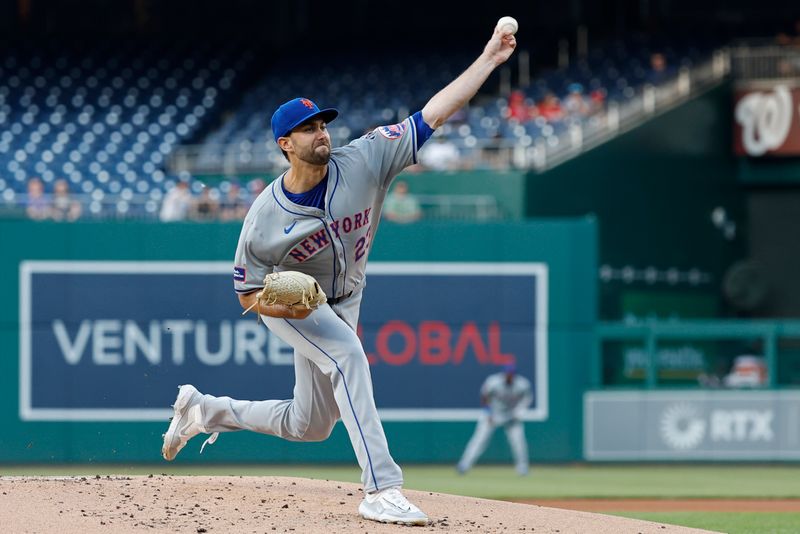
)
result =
(172, 504)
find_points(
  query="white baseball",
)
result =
(508, 25)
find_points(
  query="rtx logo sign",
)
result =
(718, 425)
(684, 426)
(742, 425)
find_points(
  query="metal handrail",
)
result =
(759, 60)
(651, 332)
(470, 207)
(538, 154)
(144, 207)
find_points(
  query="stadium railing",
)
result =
(448, 207)
(651, 334)
(759, 59)
(538, 153)
(459, 207)
(232, 160)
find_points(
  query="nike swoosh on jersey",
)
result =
(289, 228)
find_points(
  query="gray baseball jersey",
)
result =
(330, 245)
(332, 376)
(506, 401)
(505, 404)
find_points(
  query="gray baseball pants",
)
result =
(515, 433)
(332, 380)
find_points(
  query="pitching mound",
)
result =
(170, 504)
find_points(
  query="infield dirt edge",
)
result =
(163, 503)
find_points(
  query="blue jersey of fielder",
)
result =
(329, 243)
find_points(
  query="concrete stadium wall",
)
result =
(100, 403)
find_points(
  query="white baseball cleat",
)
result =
(186, 423)
(390, 506)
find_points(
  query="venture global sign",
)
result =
(112, 340)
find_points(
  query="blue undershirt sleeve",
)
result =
(424, 132)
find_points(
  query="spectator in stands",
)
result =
(597, 100)
(204, 207)
(255, 187)
(575, 104)
(234, 207)
(518, 107)
(658, 69)
(749, 371)
(789, 66)
(441, 155)
(176, 203)
(65, 208)
(400, 206)
(38, 206)
(790, 38)
(550, 108)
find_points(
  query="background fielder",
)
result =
(506, 396)
(319, 218)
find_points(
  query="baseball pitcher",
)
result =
(319, 219)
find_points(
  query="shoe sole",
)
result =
(184, 396)
(394, 520)
(415, 522)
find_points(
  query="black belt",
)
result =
(337, 300)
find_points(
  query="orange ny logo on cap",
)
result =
(307, 103)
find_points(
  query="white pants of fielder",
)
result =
(332, 380)
(515, 433)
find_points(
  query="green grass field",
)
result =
(547, 482)
(738, 523)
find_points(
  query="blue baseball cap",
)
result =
(295, 112)
(509, 368)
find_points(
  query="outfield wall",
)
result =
(100, 322)
(732, 425)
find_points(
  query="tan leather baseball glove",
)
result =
(292, 288)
